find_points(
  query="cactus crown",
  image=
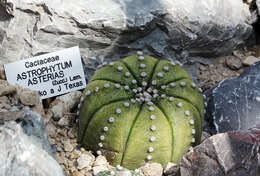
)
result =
(140, 110)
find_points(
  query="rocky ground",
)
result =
(61, 121)
(202, 35)
(225, 67)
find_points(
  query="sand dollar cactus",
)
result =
(140, 110)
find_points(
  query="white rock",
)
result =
(100, 161)
(68, 147)
(250, 60)
(21, 156)
(124, 173)
(63, 121)
(153, 169)
(97, 169)
(85, 160)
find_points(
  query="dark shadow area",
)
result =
(257, 31)
(243, 153)
(142, 30)
(256, 27)
(255, 11)
(5, 18)
(4, 7)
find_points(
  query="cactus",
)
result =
(140, 110)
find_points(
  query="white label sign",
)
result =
(50, 74)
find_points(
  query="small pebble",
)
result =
(67, 146)
(250, 60)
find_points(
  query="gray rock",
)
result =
(239, 54)
(109, 30)
(233, 63)
(204, 136)
(33, 125)
(233, 154)
(21, 157)
(234, 103)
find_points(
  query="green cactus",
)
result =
(140, 110)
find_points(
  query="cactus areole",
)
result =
(141, 110)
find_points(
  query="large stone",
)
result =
(21, 157)
(233, 154)
(112, 29)
(32, 124)
(234, 103)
